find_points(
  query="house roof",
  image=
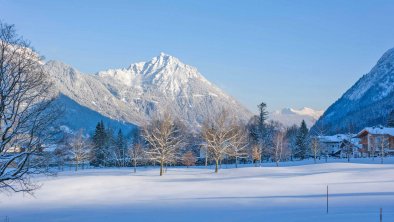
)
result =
(377, 131)
(335, 138)
(354, 141)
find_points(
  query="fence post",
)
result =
(381, 215)
(327, 199)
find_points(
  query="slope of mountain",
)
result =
(289, 116)
(77, 117)
(366, 103)
(135, 94)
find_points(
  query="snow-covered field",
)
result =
(292, 193)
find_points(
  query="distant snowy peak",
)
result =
(290, 116)
(163, 72)
(305, 111)
(308, 112)
(158, 68)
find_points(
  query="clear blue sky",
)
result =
(286, 53)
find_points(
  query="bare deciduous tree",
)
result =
(80, 149)
(348, 146)
(374, 144)
(318, 133)
(383, 144)
(136, 151)
(278, 149)
(26, 118)
(60, 154)
(347, 143)
(255, 154)
(219, 134)
(315, 148)
(258, 133)
(238, 143)
(164, 138)
(189, 159)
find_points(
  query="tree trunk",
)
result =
(161, 167)
(135, 166)
(216, 165)
(206, 157)
(236, 162)
(261, 156)
(381, 156)
(76, 165)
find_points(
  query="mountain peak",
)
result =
(146, 89)
(62, 69)
(290, 116)
(306, 111)
(387, 57)
(164, 59)
(56, 63)
(163, 54)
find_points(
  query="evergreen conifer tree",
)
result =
(291, 138)
(110, 147)
(99, 142)
(121, 147)
(263, 115)
(390, 119)
(302, 141)
(262, 133)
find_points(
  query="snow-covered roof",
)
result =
(335, 138)
(355, 142)
(378, 131)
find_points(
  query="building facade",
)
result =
(375, 140)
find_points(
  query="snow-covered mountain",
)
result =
(135, 94)
(289, 116)
(366, 103)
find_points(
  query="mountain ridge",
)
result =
(161, 85)
(366, 103)
(291, 116)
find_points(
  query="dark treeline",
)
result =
(166, 141)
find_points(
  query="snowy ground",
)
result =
(290, 193)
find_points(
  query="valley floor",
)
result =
(289, 193)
